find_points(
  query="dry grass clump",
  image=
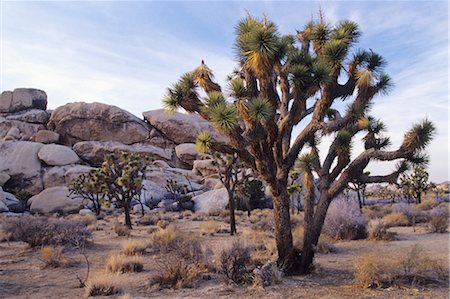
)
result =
(41, 231)
(396, 219)
(296, 220)
(405, 209)
(182, 267)
(262, 240)
(377, 229)
(235, 262)
(162, 223)
(124, 264)
(102, 285)
(134, 247)
(51, 256)
(199, 216)
(89, 220)
(413, 268)
(164, 240)
(120, 229)
(376, 211)
(438, 220)
(427, 205)
(210, 227)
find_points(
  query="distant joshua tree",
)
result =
(287, 81)
(416, 183)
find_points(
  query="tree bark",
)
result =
(288, 257)
(232, 216)
(127, 215)
(307, 254)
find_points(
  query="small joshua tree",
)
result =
(416, 183)
(122, 176)
(89, 186)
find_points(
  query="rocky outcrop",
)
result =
(55, 199)
(18, 130)
(11, 202)
(20, 161)
(93, 152)
(204, 167)
(187, 152)
(179, 127)
(22, 99)
(32, 116)
(57, 155)
(211, 201)
(80, 121)
(45, 136)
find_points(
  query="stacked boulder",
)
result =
(43, 151)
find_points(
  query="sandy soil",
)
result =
(22, 275)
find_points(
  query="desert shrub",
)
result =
(414, 267)
(51, 256)
(438, 220)
(377, 229)
(165, 240)
(133, 247)
(102, 285)
(120, 229)
(344, 221)
(182, 267)
(267, 275)
(373, 272)
(88, 220)
(262, 240)
(376, 211)
(427, 205)
(209, 227)
(234, 262)
(41, 231)
(162, 223)
(124, 264)
(405, 209)
(396, 219)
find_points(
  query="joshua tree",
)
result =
(360, 189)
(122, 176)
(415, 184)
(287, 81)
(89, 186)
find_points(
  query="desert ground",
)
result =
(23, 273)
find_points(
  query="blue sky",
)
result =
(127, 53)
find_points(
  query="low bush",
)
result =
(182, 267)
(102, 285)
(234, 263)
(438, 220)
(267, 275)
(174, 272)
(51, 256)
(134, 247)
(120, 229)
(41, 231)
(165, 240)
(344, 221)
(413, 268)
(162, 223)
(396, 219)
(209, 227)
(405, 209)
(377, 229)
(427, 205)
(376, 211)
(124, 264)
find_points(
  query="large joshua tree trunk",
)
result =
(283, 234)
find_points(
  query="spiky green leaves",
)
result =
(258, 44)
(237, 88)
(417, 138)
(259, 109)
(182, 94)
(203, 142)
(214, 98)
(344, 143)
(203, 77)
(224, 116)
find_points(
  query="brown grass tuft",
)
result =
(102, 285)
(134, 247)
(120, 229)
(51, 256)
(396, 219)
(124, 264)
(209, 227)
(377, 229)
